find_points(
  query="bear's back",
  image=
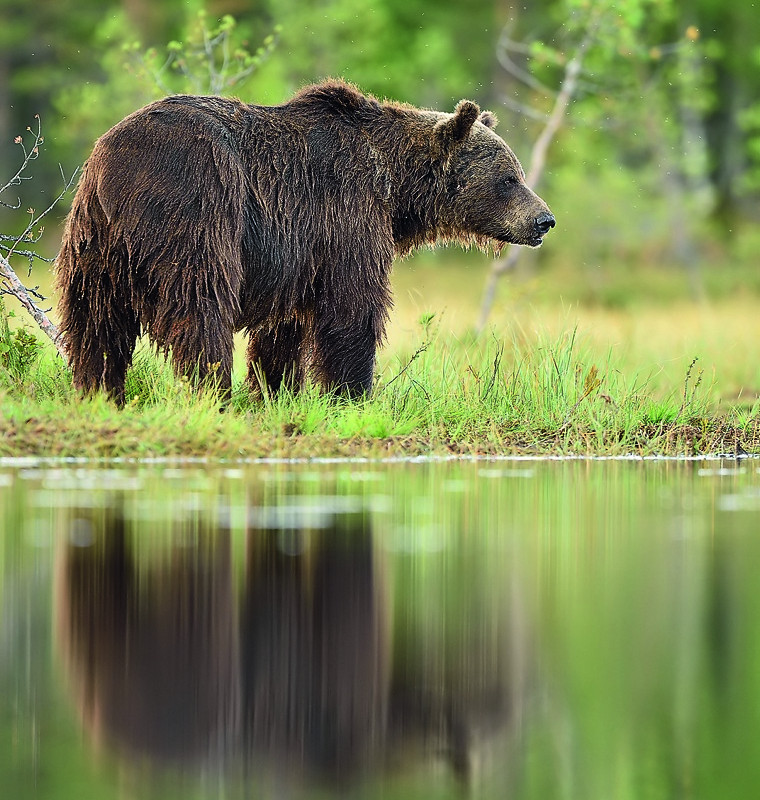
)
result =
(179, 120)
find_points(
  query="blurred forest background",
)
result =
(653, 175)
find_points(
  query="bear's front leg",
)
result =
(344, 351)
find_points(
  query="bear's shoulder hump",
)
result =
(334, 96)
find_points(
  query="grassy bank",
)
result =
(569, 386)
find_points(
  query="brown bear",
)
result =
(197, 217)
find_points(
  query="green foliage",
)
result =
(634, 178)
(617, 36)
(19, 350)
(628, 174)
(210, 56)
(384, 48)
(635, 62)
(546, 395)
(750, 122)
(424, 52)
(213, 59)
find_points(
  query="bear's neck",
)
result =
(415, 178)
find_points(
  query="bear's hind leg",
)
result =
(201, 347)
(99, 326)
(276, 356)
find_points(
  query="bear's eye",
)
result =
(507, 184)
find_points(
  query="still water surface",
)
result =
(503, 629)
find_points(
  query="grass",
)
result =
(576, 361)
(561, 386)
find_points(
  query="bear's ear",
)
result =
(457, 128)
(488, 118)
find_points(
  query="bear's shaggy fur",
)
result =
(196, 217)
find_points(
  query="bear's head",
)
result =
(487, 200)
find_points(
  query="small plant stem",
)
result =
(420, 350)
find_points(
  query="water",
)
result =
(504, 629)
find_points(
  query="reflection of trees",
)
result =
(311, 680)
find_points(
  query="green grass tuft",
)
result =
(499, 395)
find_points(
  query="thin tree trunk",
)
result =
(535, 170)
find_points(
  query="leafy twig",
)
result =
(208, 62)
(29, 155)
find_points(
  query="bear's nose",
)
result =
(544, 222)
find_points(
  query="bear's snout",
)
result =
(544, 223)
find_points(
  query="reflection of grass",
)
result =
(519, 391)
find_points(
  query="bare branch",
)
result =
(208, 49)
(506, 46)
(157, 74)
(525, 111)
(566, 93)
(30, 155)
(27, 236)
(13, 207)
(10, 284)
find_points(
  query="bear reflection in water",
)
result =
(304, 669)
(150, 650)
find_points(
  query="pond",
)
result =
(433, 629)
